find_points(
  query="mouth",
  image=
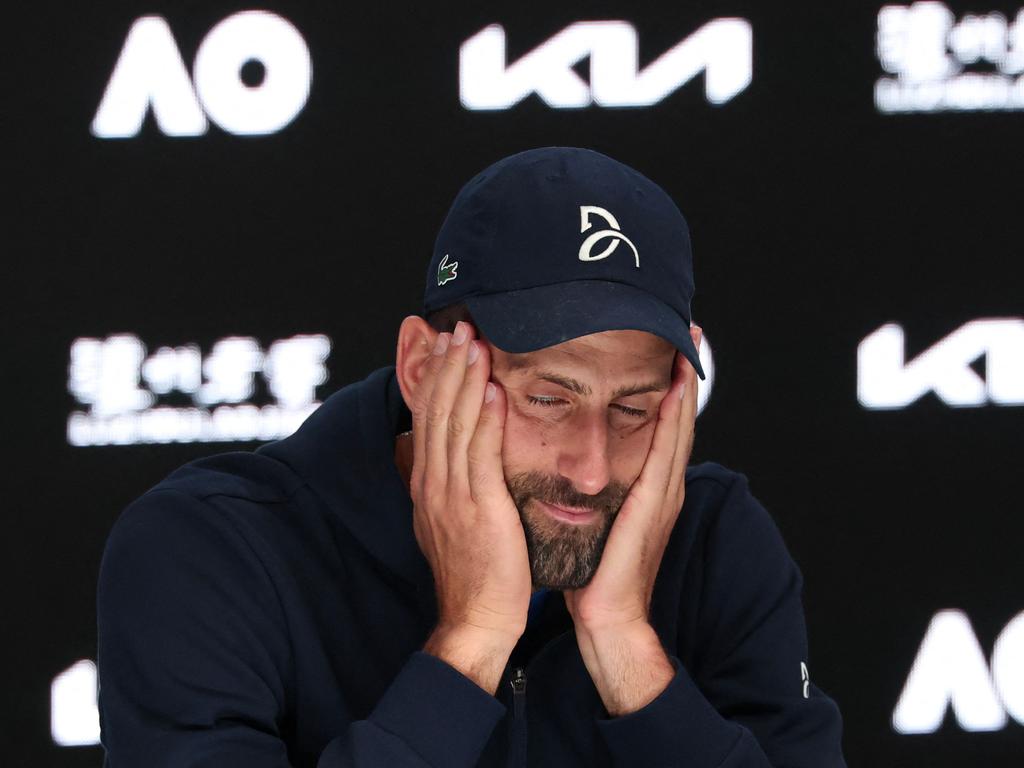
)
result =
(577, 515)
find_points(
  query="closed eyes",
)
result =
(546, 401)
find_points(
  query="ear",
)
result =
(696, 333)
(415, 343)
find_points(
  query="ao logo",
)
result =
(722, 49)
(950, 671)
(150, 73)
(886, 380)
(614, 233)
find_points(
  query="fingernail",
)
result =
(441, 344)
(489, 392)
(461, 332)
(473, 354)
(682, 391)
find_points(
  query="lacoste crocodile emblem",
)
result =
(446, 271)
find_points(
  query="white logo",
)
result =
(722, 49)
(122, 387)
(805, 676)
(885, 380)
(950, 671)
(150, 73)
(614, 233)
(74, 716)
(942, 64)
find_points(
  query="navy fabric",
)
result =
(269, 609)
(570, 312)
(537, 601)
(572, 221)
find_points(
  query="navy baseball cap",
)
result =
(556, 243)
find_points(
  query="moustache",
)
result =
(554, 489)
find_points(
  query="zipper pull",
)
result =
(518, 692)
(519, 680)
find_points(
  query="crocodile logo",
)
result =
(446, 271)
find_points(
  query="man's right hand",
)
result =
(464, 519)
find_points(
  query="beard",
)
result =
(563, 555)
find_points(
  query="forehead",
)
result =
(609, 355)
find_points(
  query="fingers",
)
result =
(485, 474)
(688, 413)
(687, 420)
(449, 371)
(663, 472)
(450, 400)
(690, 373)
(657, 468)
(465, 412)
(420, 411)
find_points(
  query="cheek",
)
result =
(629, 452)
(527, 444)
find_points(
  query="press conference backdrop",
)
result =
(220, 213)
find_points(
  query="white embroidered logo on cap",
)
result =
(592, 239)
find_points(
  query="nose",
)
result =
(584, 460)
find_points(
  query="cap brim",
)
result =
(533, 318)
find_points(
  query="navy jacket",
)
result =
(268, 609)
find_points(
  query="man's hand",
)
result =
(618, 645)
(463, 516)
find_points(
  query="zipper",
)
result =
(518, 693)
(517, 726)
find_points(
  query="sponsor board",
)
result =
(886, 380)
(150, 74)
(722, 49)
(939, 63)
(950, 671)
(124, 390)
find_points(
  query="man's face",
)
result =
(580, 422)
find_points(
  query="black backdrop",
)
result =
(816, 219)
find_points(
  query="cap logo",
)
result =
(446, 271)
(615, 233)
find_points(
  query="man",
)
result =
(493, 553)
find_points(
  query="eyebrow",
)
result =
(582, 389)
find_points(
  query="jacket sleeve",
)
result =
(748, 704)
(194, 660)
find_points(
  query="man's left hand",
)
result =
(611, 614)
